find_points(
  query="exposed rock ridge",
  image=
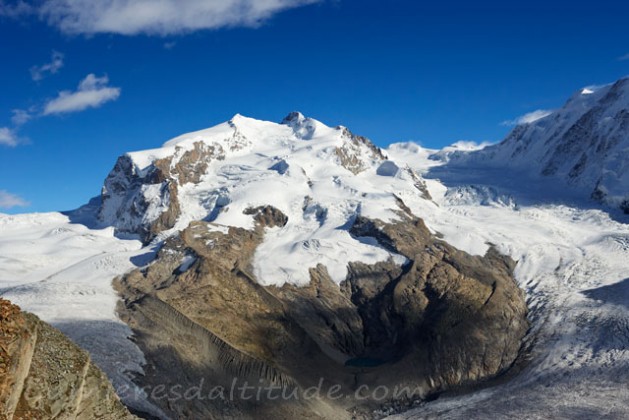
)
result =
(357, 151)
(43, 375)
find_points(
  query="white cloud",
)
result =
(159, 17)
(469, 145)
(8, 137)
(15, 9)
(56, 63)
(528, 118)
(91, 93)
(624, 57)
(21, 117)
(8, 200)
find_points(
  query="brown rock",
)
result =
(43, 375)
(444, 319)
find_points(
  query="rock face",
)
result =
(147, 202)
(43, 375)
(583, 145)
(443, 319)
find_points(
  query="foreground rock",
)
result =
(43, 375)
(219, 344)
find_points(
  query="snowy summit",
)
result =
(320, 177)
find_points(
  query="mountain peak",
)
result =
(305, 128)
(238, 116)
(294, 117)
(238, 119)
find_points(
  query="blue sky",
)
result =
(82, 84)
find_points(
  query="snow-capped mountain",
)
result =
(284, 240)
(285, 254)
(319, 177)
(584, 145)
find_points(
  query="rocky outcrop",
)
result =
(356, 152)
(388, 334)
(43, 375)
(146, 202)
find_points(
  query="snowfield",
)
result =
(62, 272)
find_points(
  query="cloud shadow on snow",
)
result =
(615, 294)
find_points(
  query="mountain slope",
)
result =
(584, 145)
